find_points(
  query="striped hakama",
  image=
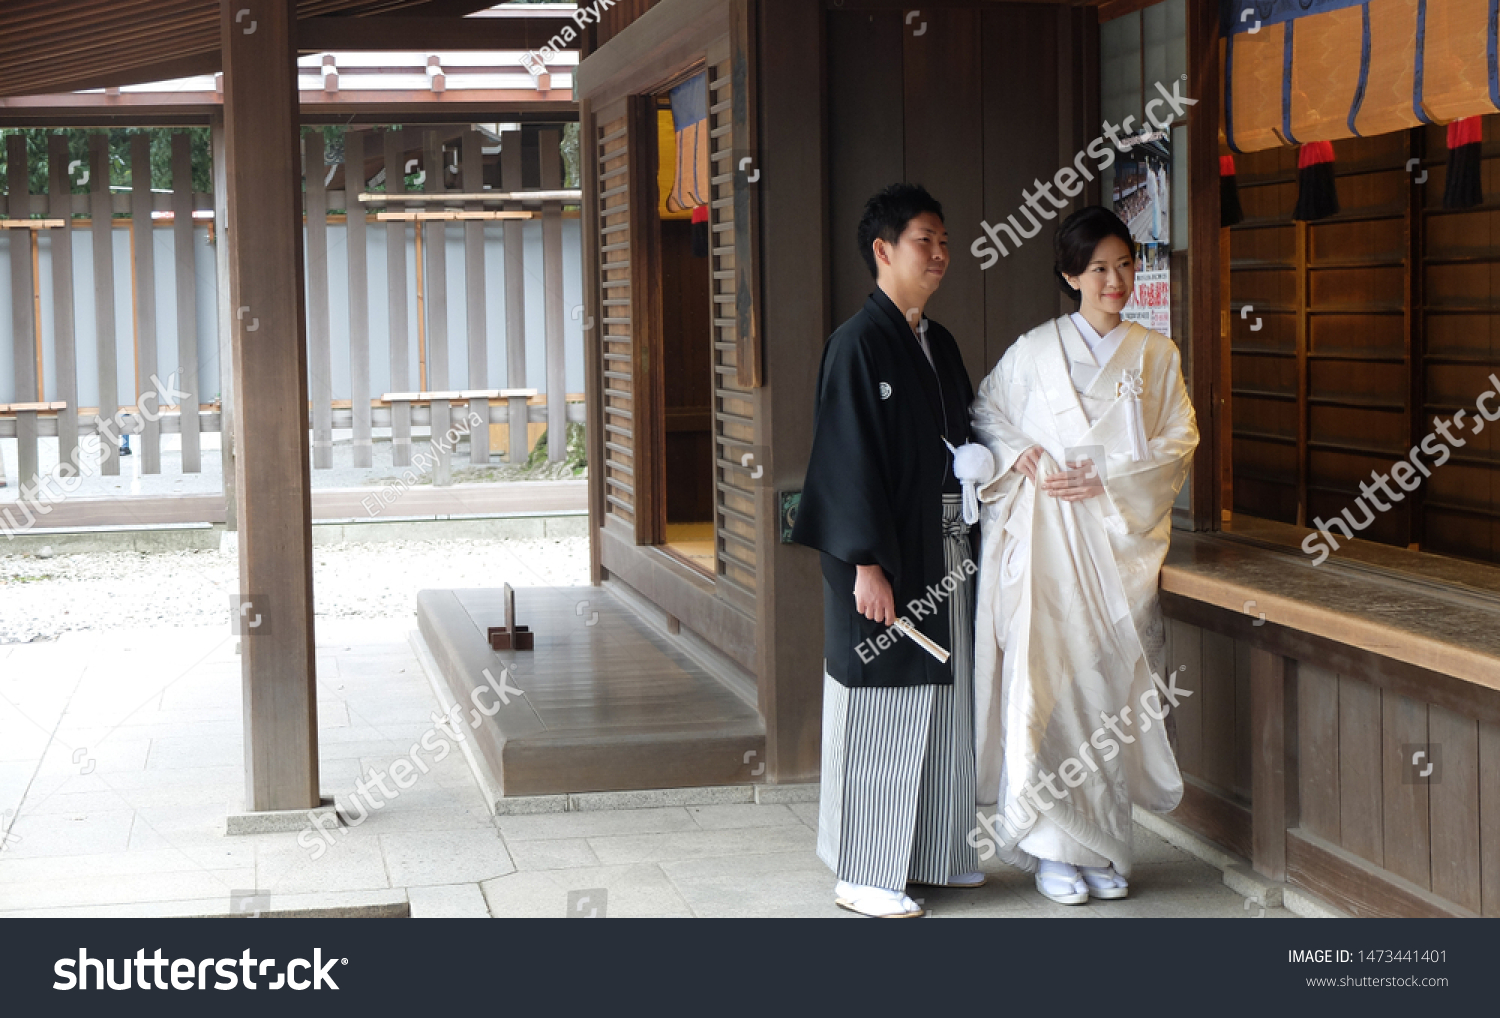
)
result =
(897, 796)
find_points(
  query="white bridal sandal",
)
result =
(1104, 882)
(1062, 883)
(875, 902)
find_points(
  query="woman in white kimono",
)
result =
(1068, 643)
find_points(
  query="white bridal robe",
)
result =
(1068, 630)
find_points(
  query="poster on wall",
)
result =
(1142, 199)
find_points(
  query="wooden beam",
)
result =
(419, 33)
(277, 656)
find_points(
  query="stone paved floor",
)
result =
(120, 754)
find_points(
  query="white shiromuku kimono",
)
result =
(1068, 632)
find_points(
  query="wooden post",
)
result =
(101, 210)
(22, 311)
(226, 322)
(143, 261)
(60, 206)
(395, 277)
(550, 145)
(1273, 712)
(1203, 261)
(435, 307)
(472, 160)
(795, 301)
(319, 340)
(187, 302)
(270, 373)
(515, 297)
(359, 297)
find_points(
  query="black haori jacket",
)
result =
(874, 489)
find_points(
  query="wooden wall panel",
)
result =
(1318, 750)
(614, 177)
(1405, 830)
(738, 458)
(1359, 769)
(1185, 651)
(1454, 803)
(1219, 706)
(1489, 818)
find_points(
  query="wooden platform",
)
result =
(608, 702)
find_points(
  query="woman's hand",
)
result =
(1075, 484)
(872, 595)
(1026, 462)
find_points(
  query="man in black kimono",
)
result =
(882, 505)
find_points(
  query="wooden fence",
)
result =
(75, 361)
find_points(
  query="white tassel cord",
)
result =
(974, 465)
(1130, 389)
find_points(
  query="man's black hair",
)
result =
(1077, 238)
(886, 216)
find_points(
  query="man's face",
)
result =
(918, 260)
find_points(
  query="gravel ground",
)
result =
(41, 598)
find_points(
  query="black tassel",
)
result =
(1465, 186)
(1230, 211)
(700, 232)
(1317, 196)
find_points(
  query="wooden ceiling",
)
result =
(66, 45)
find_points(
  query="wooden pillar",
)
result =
(23, 312)
(226, 321)
(270, 376)
(435, 308)
(550, 145)
(1273, 773)
(359, 297)
(187, 302)
(1204, 312)
(143, 271)
(795, 311)
(319, 339)
(101, 210)
(515, 296)
(471, 158)
(60, 206)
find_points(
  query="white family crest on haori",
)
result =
(885, 390)
(1068, 631)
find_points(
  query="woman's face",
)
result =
(1109, 279)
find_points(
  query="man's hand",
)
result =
(1079, 482)
(1026, 462)
(872, 595)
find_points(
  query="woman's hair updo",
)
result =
(1079, 236)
